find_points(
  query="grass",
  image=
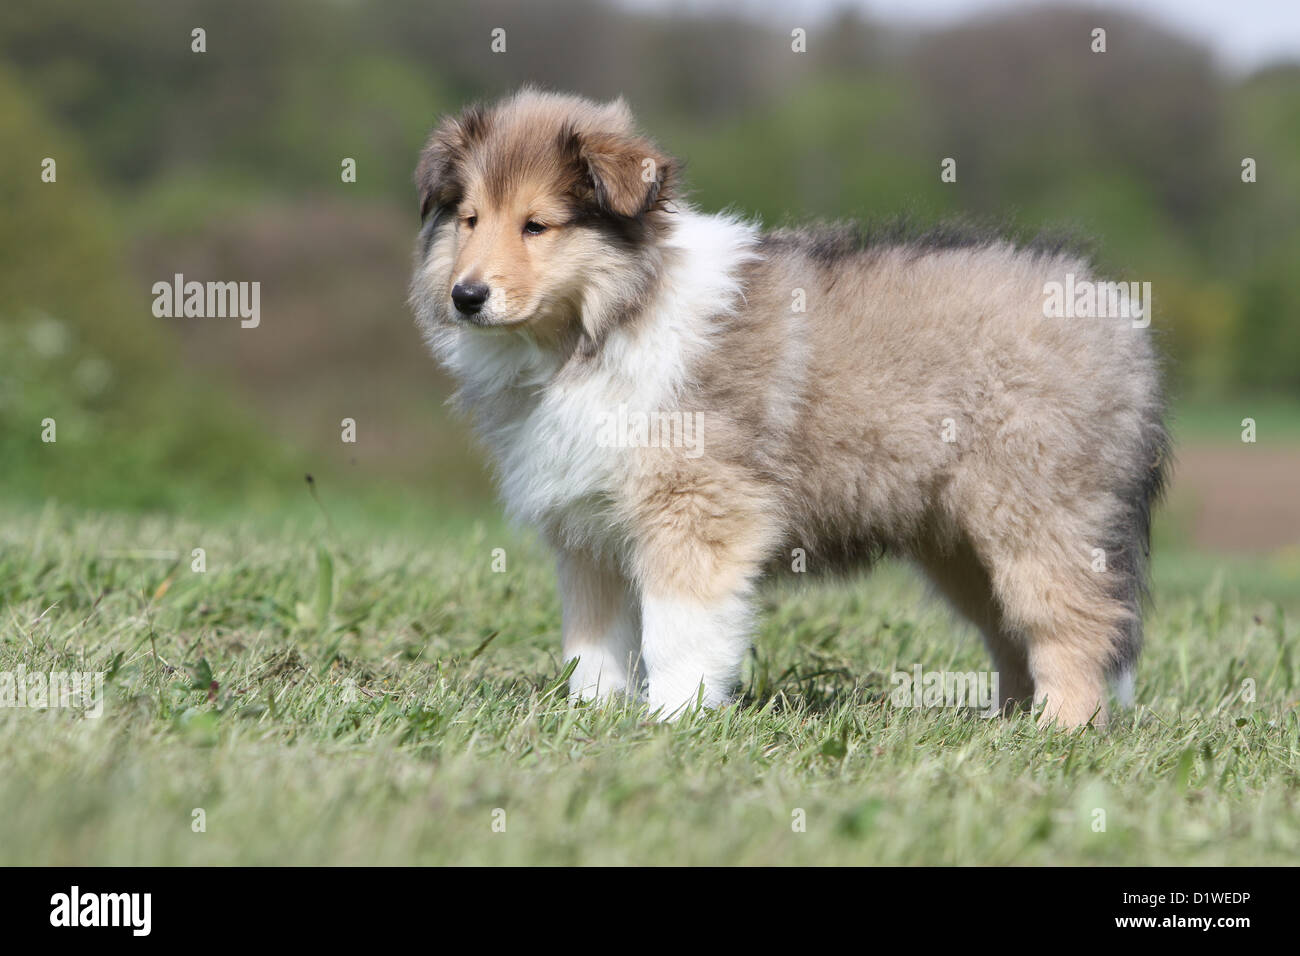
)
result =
(367, 696)
(1218, 421)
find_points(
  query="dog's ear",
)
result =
(625, 175)
(438, 174)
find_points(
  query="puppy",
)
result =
(680, 403)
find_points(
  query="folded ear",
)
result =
(628, 174)
(438, 176)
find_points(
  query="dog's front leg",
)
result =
(701, 545)
(693, 647)
(602, 626)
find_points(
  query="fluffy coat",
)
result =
(826, 393)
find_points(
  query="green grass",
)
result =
(1218, 421)
(378, 695)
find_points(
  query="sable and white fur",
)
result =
(822, 430)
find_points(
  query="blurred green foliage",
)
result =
(78, 346)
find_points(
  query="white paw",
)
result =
(692, 652)
(598, 676)
(671, 700)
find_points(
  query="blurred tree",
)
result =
(79, 345)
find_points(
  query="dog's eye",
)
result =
(470, 220)
(534, 228)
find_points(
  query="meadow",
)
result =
(353, 692)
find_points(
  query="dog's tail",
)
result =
(1134, 549)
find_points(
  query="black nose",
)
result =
(469, 296)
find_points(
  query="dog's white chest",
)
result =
(556, 461)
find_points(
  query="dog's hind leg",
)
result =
(602, 626)
(958, 576)
(1071, 619)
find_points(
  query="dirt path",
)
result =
(1240, 497)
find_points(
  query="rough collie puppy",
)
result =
(680, 403)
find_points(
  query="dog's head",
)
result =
(538, 214)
